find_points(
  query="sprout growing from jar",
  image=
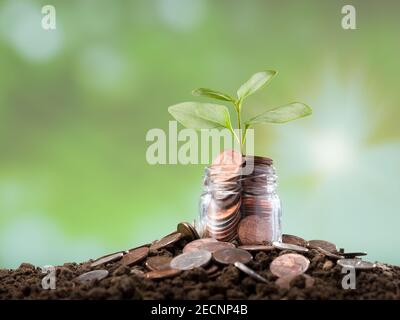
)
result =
(196, 115)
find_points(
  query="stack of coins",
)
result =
(221, 201)
(259, 199)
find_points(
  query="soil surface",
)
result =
(224, 282)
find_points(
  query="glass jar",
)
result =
(234, 206)
(261, 207)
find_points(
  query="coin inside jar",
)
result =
(254, 230)
(232, 255)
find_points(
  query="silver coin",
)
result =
(92, 275)
(356, 264)
(191, 260)
(288, 246)
(250, 272)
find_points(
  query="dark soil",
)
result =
(228, 282)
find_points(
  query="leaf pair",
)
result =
(196, 115)
(255, 83)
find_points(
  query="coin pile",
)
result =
(212, 255)
(221, 201)
(260, 211)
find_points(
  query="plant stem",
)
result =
(238, 107)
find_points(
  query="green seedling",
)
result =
(197, 115)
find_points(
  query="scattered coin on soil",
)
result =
(107, 259)
(161, 274)
(326, 245)
(330, 254)
(288, 238)
(356, 264)
(196, 244)
(135, 256)
(215, 246)
(92, 276)
(289, 265)
(232, 255)
(158, 263)
(166, 241)
(191, 260)
(288, 246)
(351, 255)
(249, 272)
(187, 230)
(258, 247)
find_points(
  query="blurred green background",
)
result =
(76, 103)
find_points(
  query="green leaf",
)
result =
(196, 115)
(212, 94)
(282, 114)
(256, 81)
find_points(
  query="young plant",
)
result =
(196, 115)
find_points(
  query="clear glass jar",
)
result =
(241, 207)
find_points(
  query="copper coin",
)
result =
(257, 247)
(228, 157)
(92, 276)
(288, 238)
(158, 263)
(232, 255)
(284, 282)
(135, 256)
(191, 260)
(326, 245)
(187, 231)
(259, 160)
(166, 241)
(356, 264)
(196, 244)
(161, 274)
(215, 246)
(289, 265)
(107, 259)
(329, 254)
(288, 246)
(254, 230)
